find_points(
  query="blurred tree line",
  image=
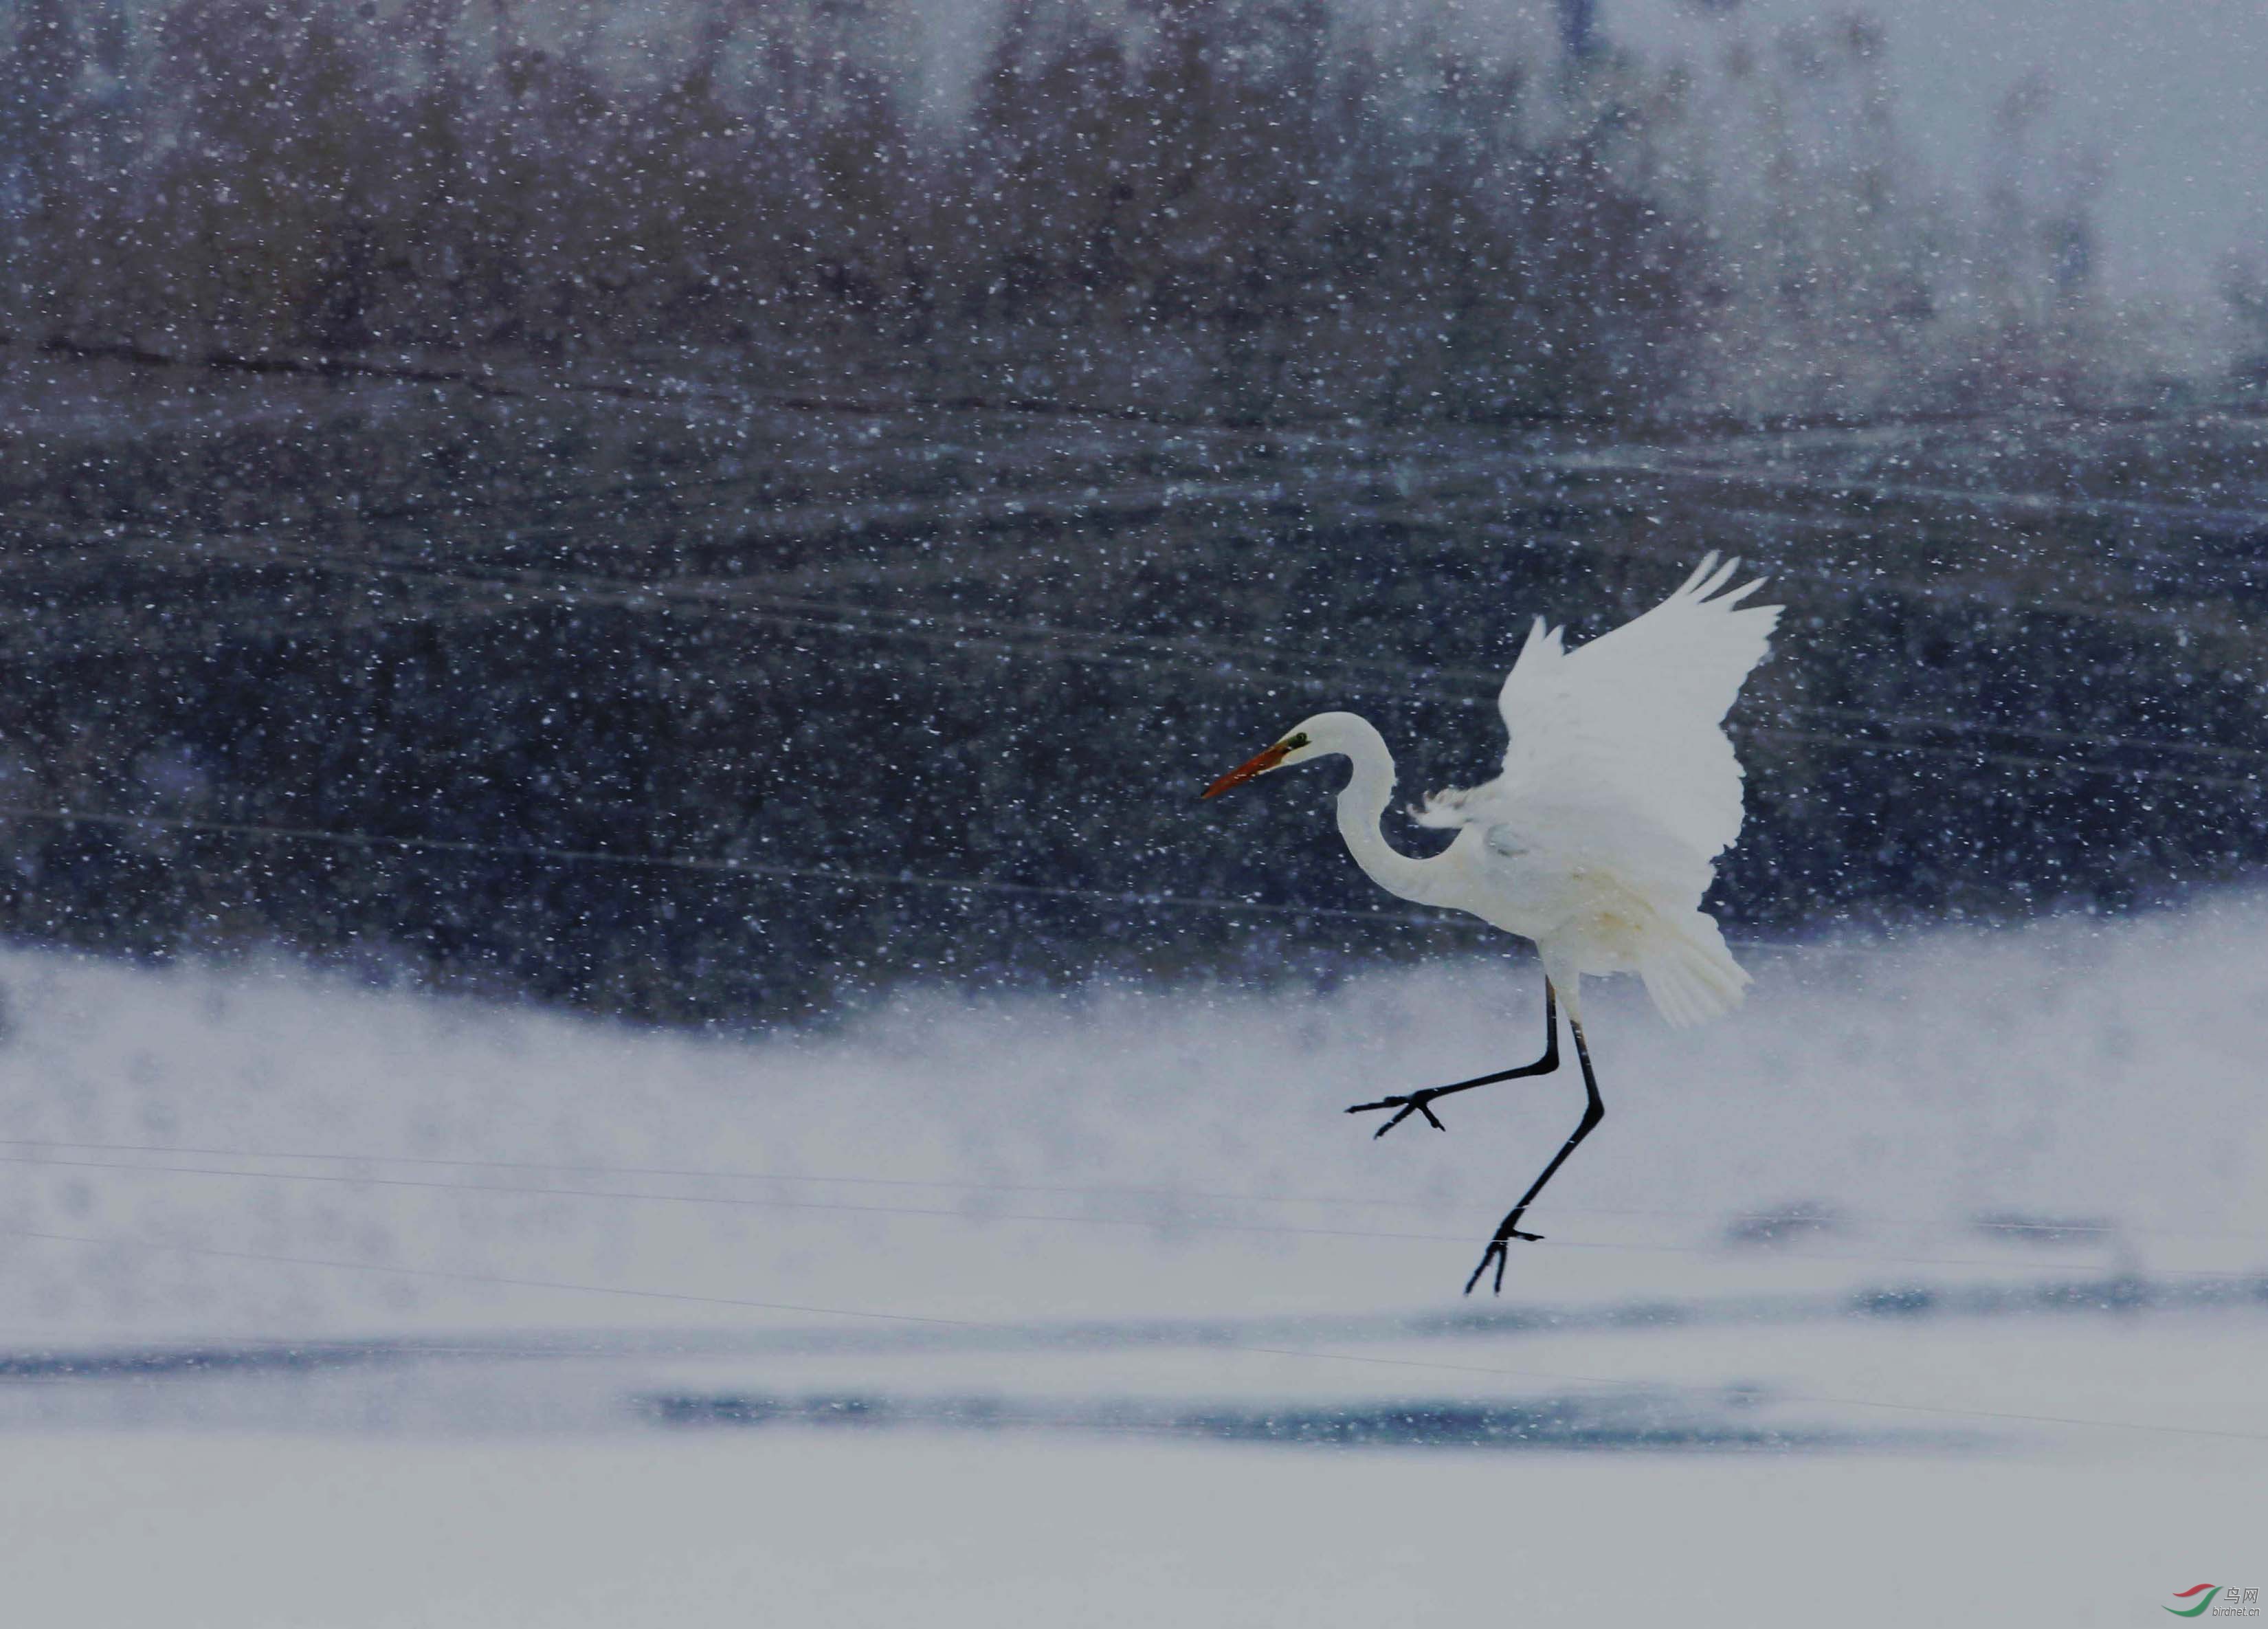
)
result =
(1251, 208)
(1235, 204)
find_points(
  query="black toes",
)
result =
(1404, 1107)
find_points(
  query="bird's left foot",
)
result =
(1416, 1103)
(1497, 1253)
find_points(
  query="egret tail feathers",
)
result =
(1690, 972)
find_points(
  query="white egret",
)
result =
(1597, 842)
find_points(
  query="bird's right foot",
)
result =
(1416, 1103)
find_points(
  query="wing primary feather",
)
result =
(1619, 784)
(1708, 564)
(1625, 731)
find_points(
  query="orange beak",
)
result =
(1246, 771)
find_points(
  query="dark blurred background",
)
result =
(705, 533)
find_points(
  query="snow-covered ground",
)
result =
(1110, 1155)
(290, 1532)
(1932, 1287)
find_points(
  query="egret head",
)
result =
(1311, 738)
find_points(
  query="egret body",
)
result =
(1598, 840)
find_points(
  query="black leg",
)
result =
(1421, 1102)
(1594, 1111)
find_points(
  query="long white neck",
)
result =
(1364, 800)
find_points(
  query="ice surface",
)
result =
(1929, 1287)
(2078, 1097)
(266, 1531)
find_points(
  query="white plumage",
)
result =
(1635, 715)
(1619, 791)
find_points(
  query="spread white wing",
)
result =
(1617, 746)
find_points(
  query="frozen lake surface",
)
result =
(282, 1530)
(1097, 1306)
